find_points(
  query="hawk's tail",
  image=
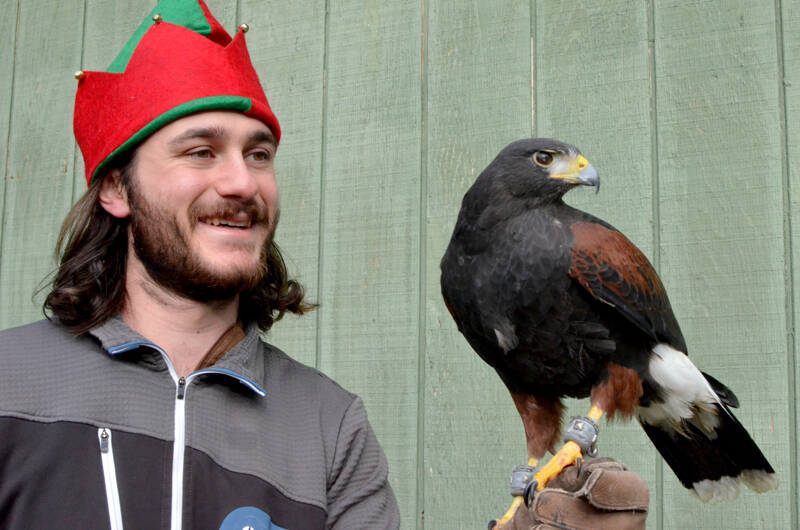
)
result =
(712, 463)
(689, 422)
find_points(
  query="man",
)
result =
(147, 400)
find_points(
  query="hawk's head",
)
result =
(542, 168)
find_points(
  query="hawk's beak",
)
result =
(589, 177)
(580, 172)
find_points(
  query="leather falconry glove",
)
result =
(604, 495)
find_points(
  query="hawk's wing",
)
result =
(615, 272)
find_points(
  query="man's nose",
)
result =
(236, 179)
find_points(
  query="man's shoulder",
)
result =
(43, 346)
(35, 335)
(37, 357)
(290, 376)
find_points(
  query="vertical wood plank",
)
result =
(722, 230)
(790, 88)
(108, 26)
(478, 100)
(370, 240)
(286, 43)
(225, 11)
(8, 33)
(40, 151)
(593, 90)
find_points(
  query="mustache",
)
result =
(256, 212)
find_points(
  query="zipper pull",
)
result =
(104, 441)
(181, 387)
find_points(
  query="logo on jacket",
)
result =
(248, 518)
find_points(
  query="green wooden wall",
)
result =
(690, 109)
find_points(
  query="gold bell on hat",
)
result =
(244, 27)
(79, 74)
(157, 18)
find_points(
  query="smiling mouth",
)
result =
(228, 223)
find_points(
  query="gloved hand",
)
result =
(604, 495)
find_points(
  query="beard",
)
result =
(165, 253)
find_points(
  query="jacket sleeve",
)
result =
(359, 494)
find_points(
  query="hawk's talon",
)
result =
(578, 464)
(530, 491)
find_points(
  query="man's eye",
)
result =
(201, 153)
(261, 156)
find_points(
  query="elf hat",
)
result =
(180, 61)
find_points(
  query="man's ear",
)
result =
(113, 197)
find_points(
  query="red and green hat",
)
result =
(180, 61)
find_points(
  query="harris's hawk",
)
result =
(560, 303)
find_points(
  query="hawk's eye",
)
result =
(543, 158)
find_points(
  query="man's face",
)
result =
(204, 204)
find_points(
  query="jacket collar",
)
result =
(243, 362)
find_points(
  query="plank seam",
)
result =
(10, 116)
(788, 279)
(656, 207)
(423, 262)
(322, 162)
(75, 152)
(532, 23)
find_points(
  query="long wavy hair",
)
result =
(92, 250)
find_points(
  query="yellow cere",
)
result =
(566, 167)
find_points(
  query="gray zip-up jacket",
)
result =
(99, 432)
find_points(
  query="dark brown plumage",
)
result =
(562, 304)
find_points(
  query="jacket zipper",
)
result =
(178, 449)
(179, 426)
(179, 433)
(110, 478)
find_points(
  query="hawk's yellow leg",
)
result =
(569, 453)
(515, 504)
